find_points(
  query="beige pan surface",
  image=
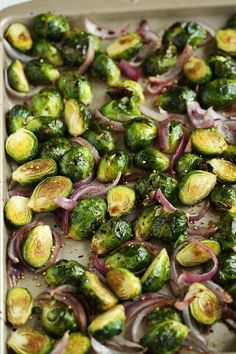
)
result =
(107, 13)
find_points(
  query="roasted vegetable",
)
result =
(17, 212)
(127, 88)
(160, 61)
(111, 164)
(223, 169)
(105, 69)
(208, 141)
(227, 268)
(77, 343)
(230, 153)
(226, 233)
(176, 131)
(232, 290)
(77, 117)
(40, 72)
(121, 200)
(55, 148)
(151, 159)
(158, 315)
(231, 23)
(22, 146)
(18, 35)
(225, 40)
(16, 77)
(143, 223)
(50, 26)
(120, 108)
(46, 50)
(174, 99)
(188, 162)
(125, 47)
(64, 272)
(197, 71)
(222, 67)
(19, 306)
(223, 198)
(218, 93)
(46, 127)
(17, 117)
(102, 139)
(47, 102)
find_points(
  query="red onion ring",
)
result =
(23, 193)
(178, 152)
(201, 213)
(60, 346)
(103, 32)
(127, 343)
(89, 57)
(14, 271)
(174, 272)
(101, 268)
(229, 317)
(84, 181)
(201, 118)
(139, 319)
(163, 201)
(84, 142)
(188, 147)
(156, 89)
(157, 116)
(65, 203)
(15, 54)
(129, 70)
(204, 231)
(188, 299)
(100, 348)
(133, 176)
(221, 293)
(116, 126)
(163, 134)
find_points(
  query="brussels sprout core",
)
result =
(121, 200)
(16, 77)
(125, 47)
(226, 40)
(19, 306)
(225, 170)
(208, 142)
(22, 146)
(197, 71)
(17, 211)
(19, 37)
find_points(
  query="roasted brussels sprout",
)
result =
(196, 186)
(182, 33)
(231, 23)
(16, 77)
(98, 295)
(205, 307)
(223, 198)
(77, 163)
(225, 40)
(222, 67)
(166, 337)
(77, 117)
(64, 272)
(50, 26)
(123, 283)
(57, 318)
(72, 85)
(18, 35)
(110, 235)
(134, 257)
(17, 117)
(22, 146)
(230, 153)
(197, 71)
(174, 99)
(77, 343)
(47, 103)
(17, 212)
(86, 218)
(151, 159)
(225, 170)
(176, 131)
(46, 127)
(40, 72)
(101, 138)
(127, 88)
(158, 272)
(55, 148)
(139, 133)
(188, 162)
(121, 200)
(169, 225)
(44, 195)
(125, 46)
(227, 268)
(143, 223)
(108, 324)
(218, 93)
(48, 51)
(117, 109)
(19, 306)
(34, 171)
(158, 315)
(111, 164)
(160, 61)
(226, 233)
(192, 255)
(29, 341)
(208, 141)
(105, 69)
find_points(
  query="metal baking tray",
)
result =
(108, 13)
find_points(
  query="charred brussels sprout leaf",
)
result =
(188, 162)
(169, 225)
(124, 283)
(174, 99)
(218, 93)
(196, 186)
(111, 164)
(19, 306)
(105, 69)
(64, 272)
(108, 324)
(230, 153)
(50, 26)
(158, 273)
(17, 117)
(77, 117)
(102, 139)
(223, 198)
(139, 133)
(158, 315)
(48, 51)
(46, 127)
(44, 195)
(17, 212)
(125, 47)
(121, 200)
(208, 142)
(117, 109)
(160, 61)
(86, 218)
(151, 159)
(225, 170)
(78, 343)
(54, 148)
(197, 71)
(227, 268)
(47, 102)
(29, 341)
(40, 72)
(127, 88)
(226, 233)
(16, 77)
(22, 146)
(225, 40)
(143, 224)
(110, 235)
(222, 67)
(18, 35)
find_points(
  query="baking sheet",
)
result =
(108, 13)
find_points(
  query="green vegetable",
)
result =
(208, 142)
(40, 72)
(225, 40)
(102, 139)
(111, 164)
(55, 148)
(197, 71)
(143, 223)
(105, 69)
(64, 272)
(232, 291)
(50, 26)
(227, 268)
(18, 35)
(225, 170)
(77, 116)
(117, 109)
(16, 117)
(176, 131)
(160, 61)
(230, 153)
(218, 93)
(19, 303)
(188, 162)
(47, 102)
(223, 198)
(17, 212)
(174, 99)
(151, 159)
(121, 200)
(127, 88)
(16, 77)
(77, 343)
(46, 50)
(222, 67)
(226, 233)
(161, 314)
(46, 127)
(125, 46)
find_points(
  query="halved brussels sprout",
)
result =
(160, 61)
(18, 35)
(139, 133)
(208, 141)
(230, 153)
(218, 93)
(47, 103)
(225, 40)
(105, 69)
(46, 127)
(34, 171)
(40, 72)
(77, 116)
(143, 223)
(197, 71)
(111, 164)
(57, 318)
(124, 283)
(176, 131)
(110, 235)
(29, 341)
(205, 307)
(72, 85)
(55, 148)
(16, 77)
(196, 186)
(222, 66)
(187, 163)
(102, 139)
(22, 146)
(225, 170)
(45, 193)
(123, 107)
(158, 315)
(77, 343)
(19, 306)
(17, 212)
(158, 272)
(121, 200)
(77, 163)
(37, 247)
(98, 295)
(223, 198)
(167, 337)
(64, 272)
(17, 117)
(46, 50)
(169, 225)
(226, 233)
(174, 99)
(192, 255)
(125, 47)
(227, 268)
(134, 257)
(127, 88)
(151, 159)
(108, 324)
(86, 218)
(50, 26)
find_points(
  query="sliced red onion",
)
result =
(133, 176)
(84, 181)
(104, 32)
(227, 129)
(128, 344)
(133, 215)
(116, 126)
(148, 112)
(229, 317)
(200, 118)
(15, 54)
(163, 134)
(143, 26)
(210, 34)
(221, 293)
(188, 299)
(204, 231)
(60, 346)
(23, 193)
(178, 152)
(199, 215)
(14, 271)
(156, 89)
(101, 268)
(65, 288)
(100, 348)
(54, 255)
(139, 319)
(19, 95)
(163, 201)
(175, 271)
(84, 142)
(188, 147)
(89, 57)
(129, 70)
(65, 203)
